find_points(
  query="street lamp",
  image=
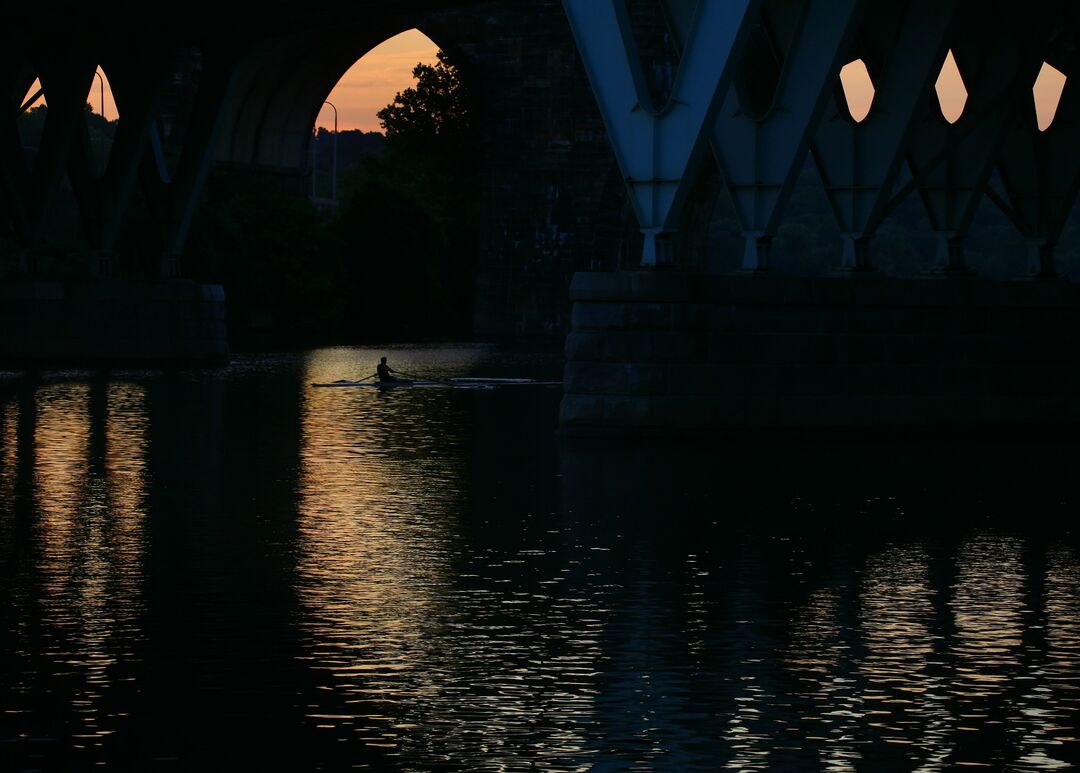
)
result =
(333, 178)
(101, 79)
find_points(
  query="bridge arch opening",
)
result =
(33, 110)
(857, 88)
(1047, 91)
(758, 76)
(33, 97)
(405, 192)
(175, 112)
(387, 253)
(376, 78)
(101, 129)
(952, 93)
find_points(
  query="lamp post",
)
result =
(333, 162)
(101, 80)
(333, 156)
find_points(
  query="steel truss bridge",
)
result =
(757, 89)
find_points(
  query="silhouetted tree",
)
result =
(437, 107)
(408, 219)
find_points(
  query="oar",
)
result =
(419, 378)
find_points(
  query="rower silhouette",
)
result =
(384, 371)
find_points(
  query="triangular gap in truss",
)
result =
(137, 250)
(62, 231)
(858, 90)
(33, 111)
(725, 236)
(808, 241)
(1047, 91)
(34, 97)
(952, 93)
(709, 194)
(656, 46)
(177, 106)
(758, 75)
(997, 185)
(102, 118)
(995, 248)
(906, 243)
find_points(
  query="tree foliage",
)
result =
(408, 219)
(436, 108)
(396, 260)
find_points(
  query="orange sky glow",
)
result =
(371, 84)
(365, 89)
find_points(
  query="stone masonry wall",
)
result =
(551, 194)
(112, 320)
(671, 352)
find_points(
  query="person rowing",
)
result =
(383, 371)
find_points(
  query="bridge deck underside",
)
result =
(555, 195)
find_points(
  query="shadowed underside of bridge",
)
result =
(607, 125)
(756, 88)
(261, 80)
(262, 77)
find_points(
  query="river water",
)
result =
(229, 569)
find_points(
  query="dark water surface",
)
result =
(229, 569)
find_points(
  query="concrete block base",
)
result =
(111, 320)
(676, 353)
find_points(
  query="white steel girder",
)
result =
(658, 149)
(1041, 170)
(997, 47)
(103, 201)
(172, 199)
(761, 158)
(903, 45)
(33, 191)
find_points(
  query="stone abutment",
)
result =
(671, 352)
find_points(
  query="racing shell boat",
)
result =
(459, 383)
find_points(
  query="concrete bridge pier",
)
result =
(86, 312)
(681, 352)
(111, 320)
(676, 350)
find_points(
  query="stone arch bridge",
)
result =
(262, 75)
(600, 119)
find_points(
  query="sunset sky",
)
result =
(372, 83)
(368, 86)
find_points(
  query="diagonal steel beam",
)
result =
(762, 156)
(1041, 169)
(658, 148)
(998, 49)
(903, 45)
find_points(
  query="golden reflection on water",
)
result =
(987, 606)
(875, 676)
(1063, 620)
(905, 697)
(930, 668)
(373, 559)
(61, 469)
(90, 534)
(373, 554)
(1046, 726)
(819, 656)
(9, 459)
(418, 655)
(749, 740)
(1003, 682)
